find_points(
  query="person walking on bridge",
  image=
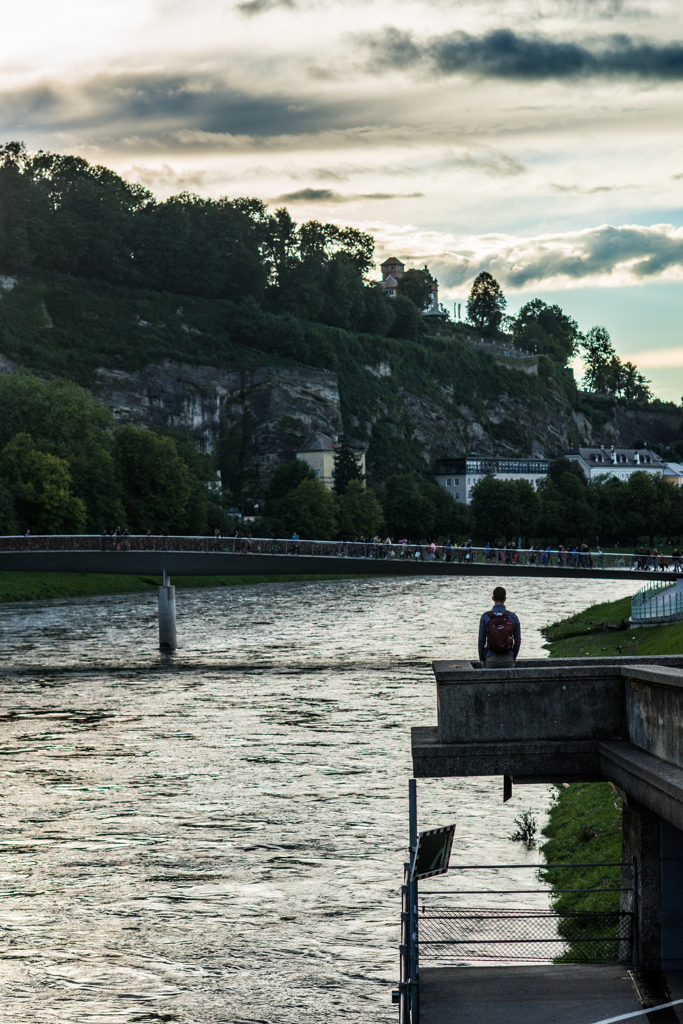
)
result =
(500, 635)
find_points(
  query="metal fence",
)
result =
(438, 928)
(464, 554)
(451, 932)
(658, 602)
(464, 934)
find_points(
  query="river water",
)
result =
(218, 835)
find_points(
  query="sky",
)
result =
(536, 139)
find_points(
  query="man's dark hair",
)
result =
(499, 595)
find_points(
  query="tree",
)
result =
(408, 513)
(407, 322)
(155, 482)
(448, 519)
(346, 465)
(545, 329)
(286, 478)
(558, 467)
(601, 364)
(359, 513)
(40, 484)
(66, 421)
(505, 509)
(416, 285)
(634, 386)
(309, 509)
(486, 304)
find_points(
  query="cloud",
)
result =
(603, 256)
(503, 53)
(252, 7)
(150, 109)
(595, 190)
(326, 195)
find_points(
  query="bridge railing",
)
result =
(658, 602)
(465, 554)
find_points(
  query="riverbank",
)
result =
(40, 586)
(584, 824)
(603, 631)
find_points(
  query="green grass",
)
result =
(603, 631)
(39, 586)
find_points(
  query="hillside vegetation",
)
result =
(95, 273)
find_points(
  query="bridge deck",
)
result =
(194, 563)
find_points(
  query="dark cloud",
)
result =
(326, 195)
(503, 53)
(252, 7)
(641, 253)
(152, 108)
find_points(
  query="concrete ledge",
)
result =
(548, 702)
(536, 760)
(645, 778)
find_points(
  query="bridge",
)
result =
(167, 556)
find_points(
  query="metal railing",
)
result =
(454, 934)
(463, 554)
(657, 603)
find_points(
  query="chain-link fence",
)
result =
(463, 934)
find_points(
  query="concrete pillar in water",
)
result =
(167, 631)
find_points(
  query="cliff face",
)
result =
(254, 418)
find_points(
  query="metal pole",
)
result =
(414, 966)
(635, 913)
(404, 974)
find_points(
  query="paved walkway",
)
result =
(535, 995)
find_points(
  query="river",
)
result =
(218, 835)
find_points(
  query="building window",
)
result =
(448, 483)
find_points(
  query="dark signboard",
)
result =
(433, 852)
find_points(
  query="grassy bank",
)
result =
(38, 586)
(584, 826)
(603, 631)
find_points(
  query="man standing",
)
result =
(500, 635)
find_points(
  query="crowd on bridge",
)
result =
(577, 556)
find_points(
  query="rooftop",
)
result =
(623, 456)
(318, 442)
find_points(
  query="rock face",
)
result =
(254, 418)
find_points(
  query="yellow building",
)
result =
(318, 451)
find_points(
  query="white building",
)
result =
(618, 462)
(458, 476)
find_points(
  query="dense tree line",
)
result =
(66, 468)
(62, 214)
(565, 508)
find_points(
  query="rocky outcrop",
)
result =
(254, 418)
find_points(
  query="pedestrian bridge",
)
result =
(209, 556)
